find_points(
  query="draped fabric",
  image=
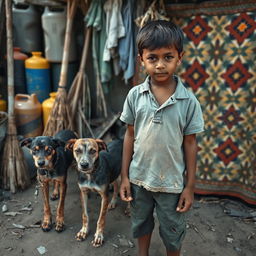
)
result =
(219, 66)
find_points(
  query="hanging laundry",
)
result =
(115, 30)
(96, 18)
(126, 47)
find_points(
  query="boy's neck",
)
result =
(163, 92)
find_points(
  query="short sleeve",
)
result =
(127, 115)
(194, 119)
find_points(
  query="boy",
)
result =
(160, 146)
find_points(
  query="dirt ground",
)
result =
(211, 228)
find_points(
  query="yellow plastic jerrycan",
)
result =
(47, 106)
(3, 106)
(28, 113)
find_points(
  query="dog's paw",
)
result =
(59, 226)
(82, 234)
(46, 226)
(112, 204)
(54, 197)
(98, 240)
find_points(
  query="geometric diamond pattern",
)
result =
(227, 151)
(236, 75)
(241, 27)
(219, 66)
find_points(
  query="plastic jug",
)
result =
(54, 26)
(38, 76)
(28, 114)
(47, 106)
(28, 34)
(3, 106)
(71, 73)
(19, 70)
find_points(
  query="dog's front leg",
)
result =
(82, 234)
(98, 236)
(47, 221)
(55, 194)
(60, 210)
(112, 204)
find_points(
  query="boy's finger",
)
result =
(180, 205)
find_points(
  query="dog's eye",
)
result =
(34, 151)
(92, 151)
(78, 151)
(49, 151)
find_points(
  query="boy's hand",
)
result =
(186, 200)
(125, 190)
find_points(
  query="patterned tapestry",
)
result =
(220, 67)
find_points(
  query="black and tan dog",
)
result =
(52, 162)
(98, 166)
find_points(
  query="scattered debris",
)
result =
(41, 249)
(18, 226)
(194, 227)
(230, 238)
(237, 249)
(251, 236)
(13, 214)
(4, 208)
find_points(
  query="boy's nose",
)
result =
(160, 64)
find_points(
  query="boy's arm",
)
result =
(190, 151)
(125, 190)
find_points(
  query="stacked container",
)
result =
(38, 76)
(19, 71)
(28, 114)
(27, 28)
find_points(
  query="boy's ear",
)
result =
(180, 57)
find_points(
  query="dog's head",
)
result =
(86, 152)
(43, 150)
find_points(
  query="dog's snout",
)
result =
(84, 165)
(41, 163)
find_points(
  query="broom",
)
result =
(59, 118)
(13, 169)
(79, 93)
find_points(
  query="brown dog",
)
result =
(52, 163)
(98, 166)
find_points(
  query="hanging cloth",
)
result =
(126, 47)
(115, 30)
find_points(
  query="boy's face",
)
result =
(161, 63)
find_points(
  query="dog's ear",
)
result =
(26, 142)
(101, 144)
(58, 143)
(70, 144)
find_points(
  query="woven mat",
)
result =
(219, 67)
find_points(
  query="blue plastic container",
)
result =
(38, 76)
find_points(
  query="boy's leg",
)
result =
(143, 244)
(142, 207)
(172, 224)
(177, 253)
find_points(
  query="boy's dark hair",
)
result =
(159, 33)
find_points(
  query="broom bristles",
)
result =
(14, 168)
(59, 118)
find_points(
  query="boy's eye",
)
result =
(151, 58)
(168, 57)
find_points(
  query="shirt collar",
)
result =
(180, 92)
